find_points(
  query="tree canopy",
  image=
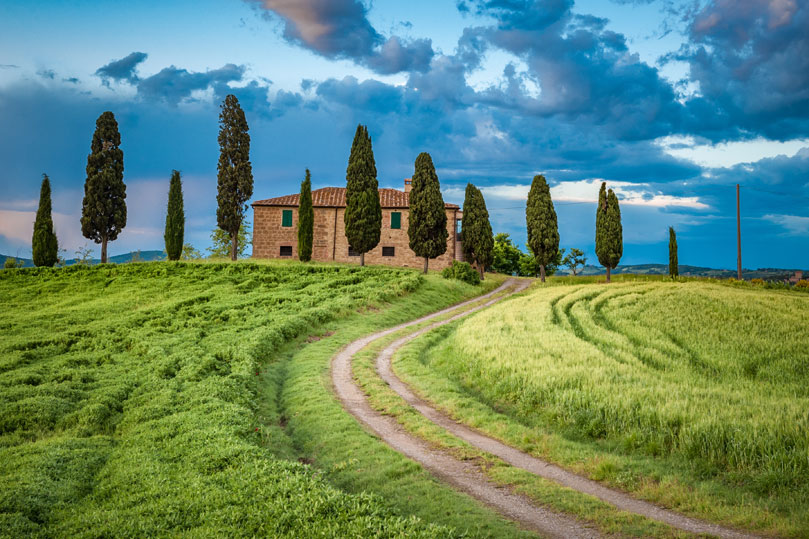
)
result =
(674, 269)
(609, 233)
(363, 215)
(427, 220)
(542, 227)
(175, 218)
(44, 245)
(306, 220)
(476, 229)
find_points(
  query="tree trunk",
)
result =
(480, 270)
(362, 259)
(234, 240)
(608, 274)
(426, 262)
(103, 249)
(542, 272)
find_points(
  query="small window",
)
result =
(286, 218)
(352, 252)
(458, 228)
(395, 220)
(388, 251)
(286, 250)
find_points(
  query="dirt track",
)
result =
(466, 476)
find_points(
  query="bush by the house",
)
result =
(461, 271)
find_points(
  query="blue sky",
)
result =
(671, 103)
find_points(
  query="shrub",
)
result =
(461, 271)
(803, 283)
(756, 281)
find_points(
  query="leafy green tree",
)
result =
(674, 269)
(505, 255)
(543, 230)
(190, 252)
(175, 218)
(84, 256)
(363, 215)
(476, 230)
(222, 243)
(103, 212)
(306, 220)
(12, 263)
(235, 173)
(427, 221)
(574, 259)
(609, 233)
(530, 267)
(44, 244)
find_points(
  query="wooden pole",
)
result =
(738, 235)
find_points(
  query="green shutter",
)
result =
(287, 218)
(396, 219)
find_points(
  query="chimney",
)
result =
(407, 185)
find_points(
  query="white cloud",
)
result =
(794, 224)
(728, 154)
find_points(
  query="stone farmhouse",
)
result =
(275, 230)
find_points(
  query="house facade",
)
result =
(275, 230)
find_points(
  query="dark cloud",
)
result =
(9, 66)
(751, 61)
(340, 29)
(122, 70)
(47, 74)
(71, 80)
(173, 84)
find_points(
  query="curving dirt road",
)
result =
(465, 476)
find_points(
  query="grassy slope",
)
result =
(298, 393)
(643, 386)
(130, 399)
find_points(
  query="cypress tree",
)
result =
(674, 270)
(427, 226)
(234, 171)
(103, 212)
(44, 244)
(609, 234)
(175, 218)
(543, 230)
(306, 220)
(363, 215)
(476, 230)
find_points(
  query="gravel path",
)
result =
(535, 465)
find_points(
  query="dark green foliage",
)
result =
(235, 173)
(461, 271)
(540, 218)
(103, 212)
(175, 218)
(575, 261)
(137, 413)
(12, 263)
(609, 234)
(44, 244)
(363, 215)
(306, 220)
(530, 266)
(427, 225)
(505, 255)
(476, 230)
(674, 269)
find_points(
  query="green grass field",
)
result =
(693, 394)
(130, 401)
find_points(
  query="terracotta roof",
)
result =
(335, 197)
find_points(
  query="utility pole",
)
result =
(738, 234)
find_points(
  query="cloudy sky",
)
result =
(671, 103)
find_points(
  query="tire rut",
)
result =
(462, 475)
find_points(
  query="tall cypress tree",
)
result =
(674, 270)
(476, 230)
(175, 218)
(103, 212)
(363, 215)
(427, 220)
(44, 244)
(306, 220)
(543, 230)
(235, 173)
(609, 233)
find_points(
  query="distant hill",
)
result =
(768, 274)
(143, 256)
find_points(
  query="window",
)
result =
(388, 251)
(395, 220)
(458, 229)
(352, 252)
(286, 218)
(286, 250)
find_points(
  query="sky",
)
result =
(671, 103)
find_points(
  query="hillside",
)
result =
(137, 412)
(143, 256)
(768, 274)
